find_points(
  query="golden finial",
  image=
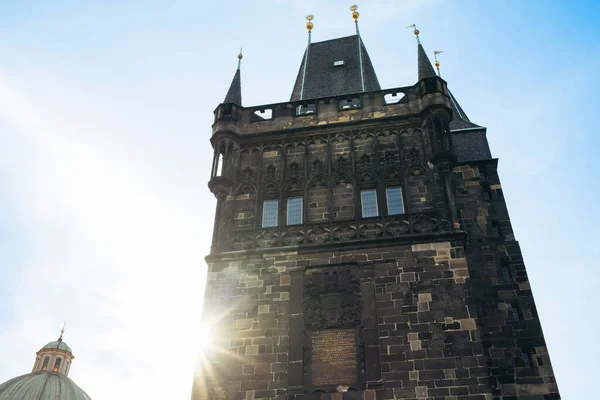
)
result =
(240, 56)
(437, 63)
(62, 331)
(355, 13)
(416, 31)
(309, 24)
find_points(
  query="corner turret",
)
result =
(234, 94)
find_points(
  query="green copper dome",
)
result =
(41, 386)
(58, 344)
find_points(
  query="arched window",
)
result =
(56, 365)
(45, 364)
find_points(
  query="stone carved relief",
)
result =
(318, 234)
(292, 237)
(247, 175)
(294, 171)
(318, 168)
(424, 224)
(344, 232)
(268, 238)
(365, 163)
(413, 161)
(377, 162)
(332, 299)
(270, 179)
(390, 166)
(397, 227)
(371, 230)
(342, 165)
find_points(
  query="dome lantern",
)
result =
(54, 357)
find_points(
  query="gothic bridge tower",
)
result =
(362, 247)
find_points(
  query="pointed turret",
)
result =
(425, 67)
(234, 94)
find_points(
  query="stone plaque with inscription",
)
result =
(333, 357)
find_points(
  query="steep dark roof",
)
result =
(323, 79)
(471, 145)
(459, 118)
(234, 94)
(425, 67)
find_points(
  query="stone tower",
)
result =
(362, 247)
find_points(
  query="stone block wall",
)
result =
(428, 340)
(446, 314)
(512, 336)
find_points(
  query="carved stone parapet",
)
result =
(394, 226)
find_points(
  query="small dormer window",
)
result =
(339, 63)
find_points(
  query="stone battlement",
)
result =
(388, 103)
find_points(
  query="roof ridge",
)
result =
(329, 40)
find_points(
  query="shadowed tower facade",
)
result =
(362, 247)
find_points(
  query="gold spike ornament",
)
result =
(309, 24)
(355, 13)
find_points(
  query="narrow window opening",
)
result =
(514, 312)
(395, 204)
(56, 365)
(270, 210)
(506, 273)
(45, 364)
(487, 194)
(526, 359)
(294, 211)
(369, 203)
(220, 165)
(496, 234)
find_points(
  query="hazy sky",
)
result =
(105, 115)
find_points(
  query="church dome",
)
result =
(42, 386)
(48, 379)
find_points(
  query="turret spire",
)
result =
(425, 69)
(424, 65)
(355, 16)
(234, 94)
(309, 28)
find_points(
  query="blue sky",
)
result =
(105, 114)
